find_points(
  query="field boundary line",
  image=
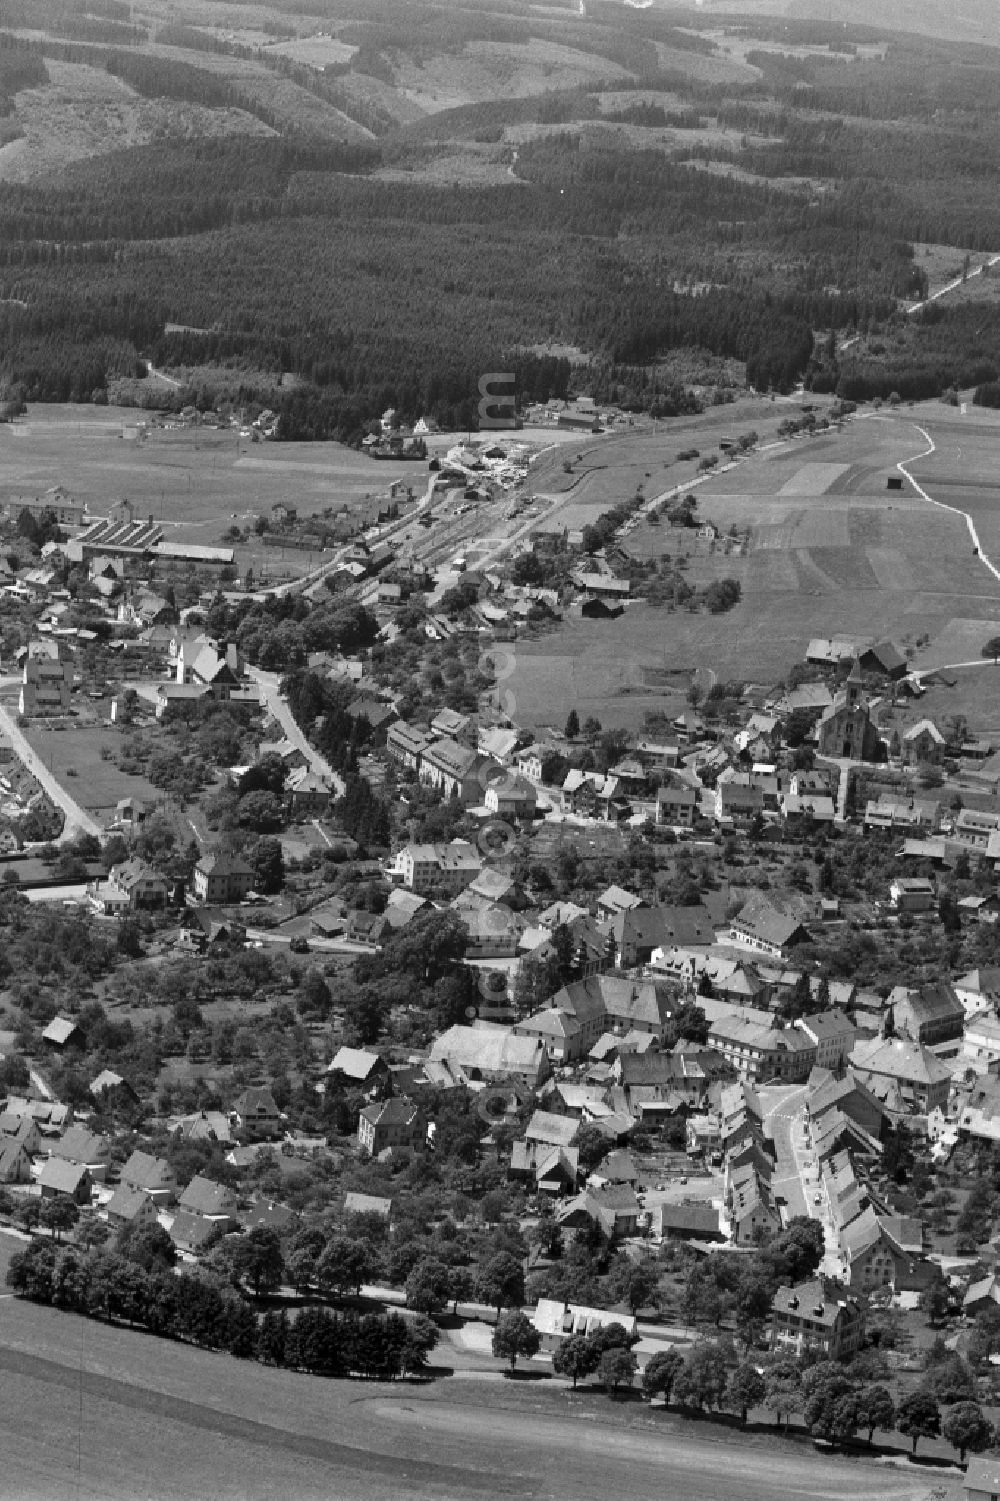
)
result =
(983, 557)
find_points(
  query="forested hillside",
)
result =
(752, 193)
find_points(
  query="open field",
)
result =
(832, 550)
(193, 480)
(99, 1412)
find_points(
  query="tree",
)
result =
(919, 1416)
(965, 1427)
(344, 1265)
(783, 1393)
(461, 1286)
(992, 648)
(800, 1247)
(830, 1410)
(617, 1368)
(935, 1300)
(575, 1357)
(501, 1282)
(701, 1382)
(592, 1145)
(572, 725)
(257, 1259)
(515, 1335)
(745, 1389)
(753, 1305)
(876, 1409)
(428, 1286)
(634, 1283)
(951, 1380)
(661, 1372)
(59, 1214)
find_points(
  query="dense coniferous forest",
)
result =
(757, 219)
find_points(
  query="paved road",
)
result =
(782, 1109)
(796, 1176)
(77, 819)
(271, 693)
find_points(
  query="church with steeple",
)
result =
(845, 732)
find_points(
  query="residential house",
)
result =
(614, 1207)
(560, 1033)
(833, 1035)
(912, 894)
(222, 878)
(511, 797)
(438, 867)
(85, 1148)
(806, 1318)
(150, 1175)
(761, 925)
(406, 744)
(903, 1074)
(676, 806)
(62, 1179)
(130, 1206)
(922, 744)
(46, 683)
(256, 1117)
(737, 801)
(15, 1160)
(209, 1201)
(982, 1479)
(356, 1068)
(389, 1124)
(981, 1044)
(931, 1015)
(142, 887)
(640, 931)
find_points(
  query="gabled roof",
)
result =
(59, 1030)
(146, 1171)
(127, 1203)
(355, 1063)
(62, 1176)
(80, 1145)
(390, 1113)
(555, 1130)
(206, 1198)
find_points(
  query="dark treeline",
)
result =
(199, 1309)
